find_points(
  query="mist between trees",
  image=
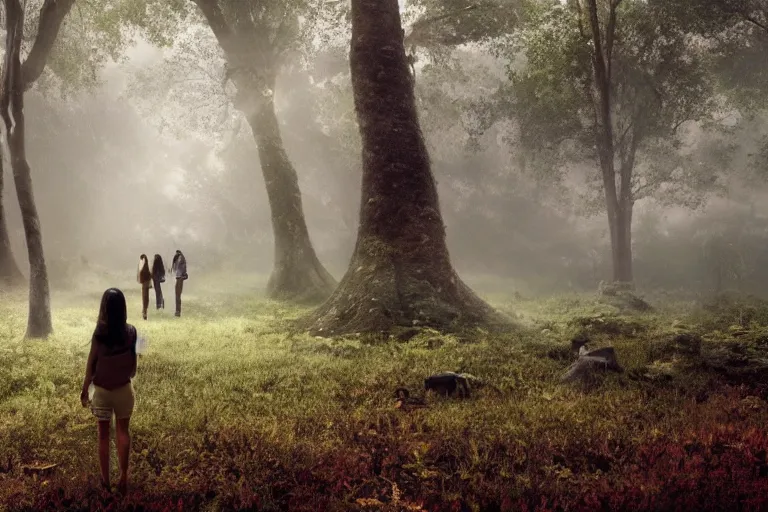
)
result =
(139, 139)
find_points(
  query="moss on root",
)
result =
(382, 292)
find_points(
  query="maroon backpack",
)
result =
(115, 366)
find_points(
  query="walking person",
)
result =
(144, 277)
(179, 268)
(158, 276)
(111, 367)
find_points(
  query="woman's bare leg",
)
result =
(123, 452)
(104, 452)
(144, 299)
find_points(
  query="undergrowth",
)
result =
(236, 413)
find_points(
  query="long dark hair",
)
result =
(113, 318)
(143, 274)
(157, 265)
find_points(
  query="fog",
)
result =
(157, 158)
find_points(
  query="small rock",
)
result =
(579, 341)
(590, 362)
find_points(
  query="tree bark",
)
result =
(618, 200)
(298, 274)
(39, 323)
(400, 273)
(622, 271)
(52, 15)
(10, 275)
(252, 66)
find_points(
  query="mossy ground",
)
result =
(236, 413)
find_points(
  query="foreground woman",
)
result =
(110, 368)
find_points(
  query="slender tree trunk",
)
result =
(400, 273)
(612, 207)
(10, 275)
(39, 322)
(618, 199)
(620, 226)
(298, 274)
(623, 270)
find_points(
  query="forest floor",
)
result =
(234, 412)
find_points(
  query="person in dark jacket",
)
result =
(111, 367)
(179, 268)
(158, 276)
(144, 277)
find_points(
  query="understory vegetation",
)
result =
(236, 411)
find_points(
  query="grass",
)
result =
(234, 412)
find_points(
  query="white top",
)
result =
(141, 344)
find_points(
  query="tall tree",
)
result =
(256, 38)
(16, 79)
(400, 273)
(616, 83)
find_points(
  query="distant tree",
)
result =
(400, 273)
(257, 40)
(615, 82)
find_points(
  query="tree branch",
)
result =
(728, 8)
(422, 24)
(217, 22)
(609, 38)
(52, 15)
(580, 15)
(755, 22)
(239, 43)
(639, 191)
(281, 33)
(628, 167)
(14, 26)
(625, 131)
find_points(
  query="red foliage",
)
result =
(714, 460)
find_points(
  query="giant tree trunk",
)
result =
(298, 275)
(12, 108)
(400, 273)
(10, 275)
